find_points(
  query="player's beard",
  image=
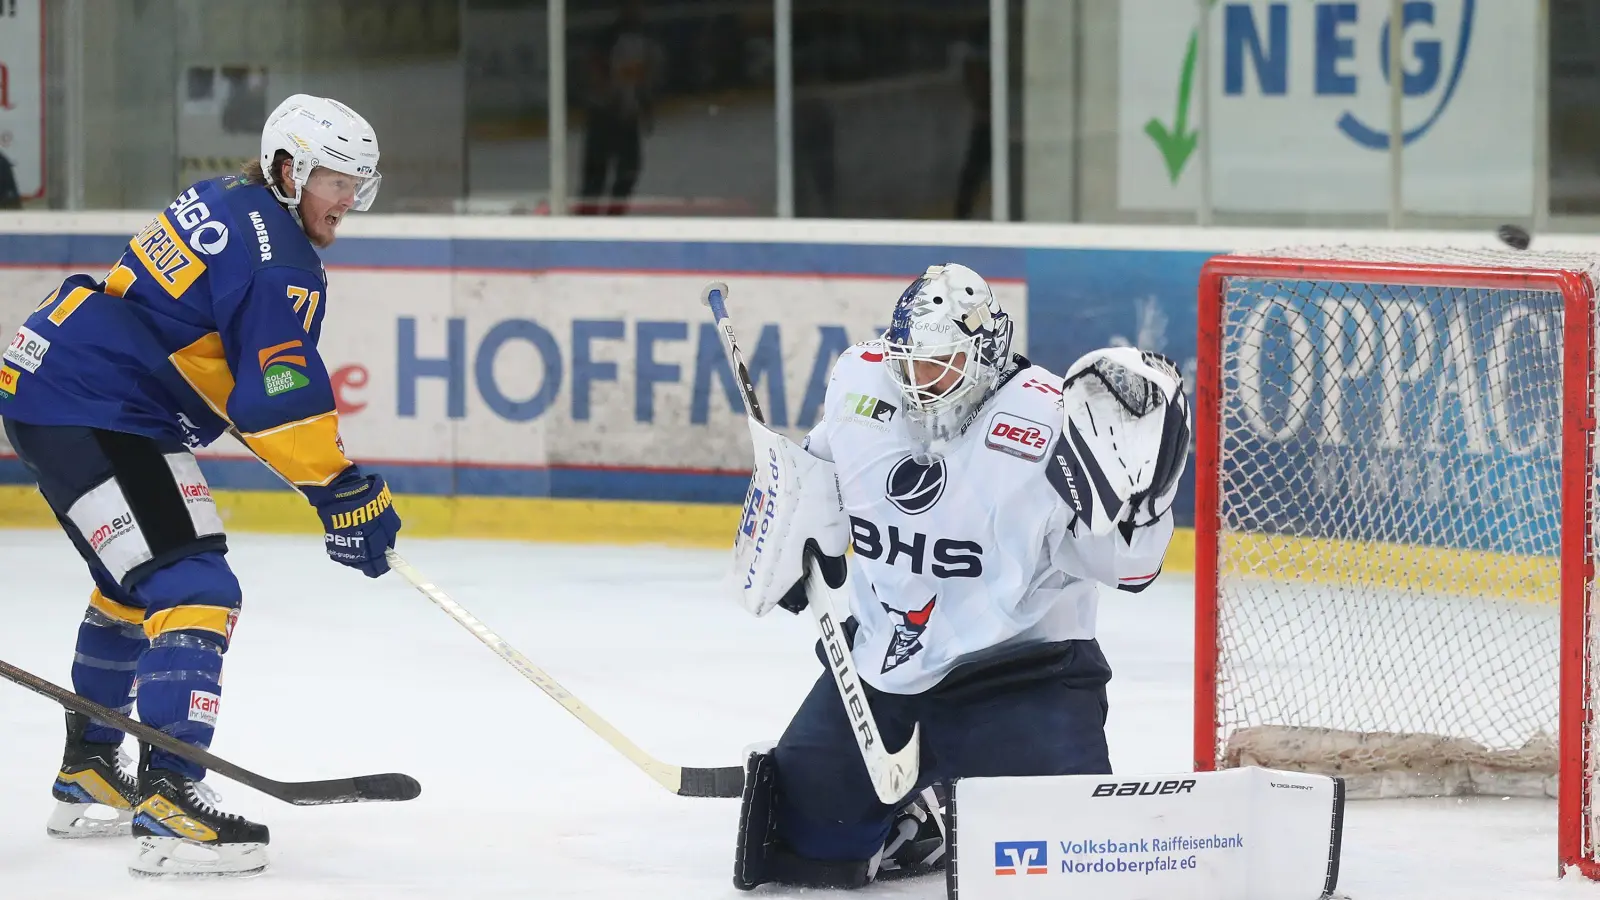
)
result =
(320, 231)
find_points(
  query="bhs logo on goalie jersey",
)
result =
(909, 626)
(951, 558)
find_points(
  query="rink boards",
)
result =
(547, 379)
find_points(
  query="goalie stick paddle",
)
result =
(685, 781)
(359, 789)
(893, 774)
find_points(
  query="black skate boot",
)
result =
(916, 844)
(180, 831)
(94, 796)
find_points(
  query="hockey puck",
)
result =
(1515, 236)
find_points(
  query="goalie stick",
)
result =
(359, 789)
(893, 774)
(685, 781)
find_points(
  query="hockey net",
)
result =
(1394, 517)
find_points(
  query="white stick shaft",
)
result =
(668, 776)
(893, 774)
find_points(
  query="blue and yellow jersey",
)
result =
(209, 320)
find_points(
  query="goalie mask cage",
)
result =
(1395, 501)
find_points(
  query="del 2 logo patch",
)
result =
(1019, 437)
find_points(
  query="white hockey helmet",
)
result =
(318, 131)
(947, 346)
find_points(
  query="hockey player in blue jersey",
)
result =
(207, 324)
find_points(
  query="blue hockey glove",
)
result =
(359, 522)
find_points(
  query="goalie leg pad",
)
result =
(761, 856)
(756, 819)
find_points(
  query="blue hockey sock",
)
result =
(110, 643)
(180, 692)
(191, 607)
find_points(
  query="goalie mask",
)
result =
(947, 346)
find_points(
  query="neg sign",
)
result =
(1299, 105)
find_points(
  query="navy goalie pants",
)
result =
(162, 611)
(1039, 716)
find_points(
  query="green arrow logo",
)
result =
(1177, 142)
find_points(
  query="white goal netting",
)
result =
(1390, 518)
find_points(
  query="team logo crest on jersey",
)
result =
(914, 487)
(909, 627)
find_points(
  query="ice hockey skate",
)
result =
(916, 844)
(181, 833)
(94, 794)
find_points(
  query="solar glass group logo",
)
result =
(1021, 857)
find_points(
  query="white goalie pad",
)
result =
(793, 498)
(1238, 834)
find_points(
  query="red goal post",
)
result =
(1394, 574)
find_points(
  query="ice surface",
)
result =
(334, 674)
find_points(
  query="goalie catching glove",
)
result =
(791, 506)
(1124, 438)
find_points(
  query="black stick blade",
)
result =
(727, 781)
(388, 787)
(358, 789)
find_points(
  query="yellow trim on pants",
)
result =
(188, 618)
(133, 615)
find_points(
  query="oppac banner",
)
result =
(1347, 410)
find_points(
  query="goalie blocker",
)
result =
(1239, 834)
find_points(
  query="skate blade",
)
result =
(170, 857)
(72, 821)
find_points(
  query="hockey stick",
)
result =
(685, 781)
(359, 789)
(893, 774)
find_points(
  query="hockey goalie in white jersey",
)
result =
(986, 499)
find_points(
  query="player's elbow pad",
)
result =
(793, 499)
